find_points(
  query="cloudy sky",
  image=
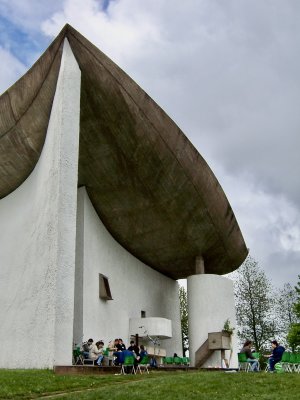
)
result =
(226, 71)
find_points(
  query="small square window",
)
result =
(104, 289)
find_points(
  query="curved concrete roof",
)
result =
(152, 189)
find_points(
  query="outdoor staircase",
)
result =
(216, 341)
(202, 354)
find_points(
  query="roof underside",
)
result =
(149, 185)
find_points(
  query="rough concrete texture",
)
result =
(38, 238)
(154, 192)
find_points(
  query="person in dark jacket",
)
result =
(133, 347)
(276, 355)
(121, 345)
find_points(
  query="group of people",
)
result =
(93, 351)
(117, 349)
(274, 357)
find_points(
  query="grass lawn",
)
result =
(34, 384)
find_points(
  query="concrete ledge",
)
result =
(85, 370)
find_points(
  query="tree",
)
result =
(254, 305)
(184, 319)
(293, 337)
(285, 311)
(297, 303)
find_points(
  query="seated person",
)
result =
(111, 348)
(134, 348)
(117, 349)
(142, 354)
(247, 350)
(86, 348)
(120, 356)
(121, 346)
(96, 352)
(276, 355)
(113, 345)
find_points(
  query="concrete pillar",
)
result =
(64, 125)
(199, 265)
(210, 303)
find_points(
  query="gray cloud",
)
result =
(228, 73)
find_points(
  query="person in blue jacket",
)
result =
(276, 355)
(143, 353)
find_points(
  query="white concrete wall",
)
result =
(134, 285)
(154, 327)
(37, 242)
(210, 303)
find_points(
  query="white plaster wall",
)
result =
(134, 285)
(210, 303)
(37, 242)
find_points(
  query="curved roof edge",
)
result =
(150, 186)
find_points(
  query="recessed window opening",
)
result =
(104, 288)
(143, 314)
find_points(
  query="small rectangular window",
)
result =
(143, 314)
(104, 289)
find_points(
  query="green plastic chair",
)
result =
(285, 364)
(128, 362)
(143, 365)
(297, 368)
(185, 361)
(168, 360)
(244, 365)
(177, 360)
(285, 361)
(77, 356)
(285, 357)
(279, 368)
(106, 352)
(293, 362)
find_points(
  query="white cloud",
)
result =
(28, 14)
(11, 69)
(119, 32)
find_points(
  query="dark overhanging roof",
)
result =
(151, 188)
